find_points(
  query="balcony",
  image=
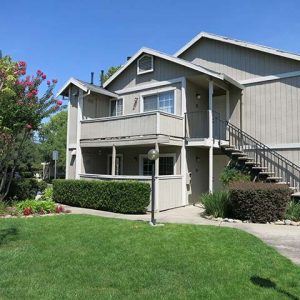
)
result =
(136, 125)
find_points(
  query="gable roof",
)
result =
(86, 87)
(238, 43)
(175, 60)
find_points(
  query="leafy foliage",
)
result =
(259, 202)
(25, 188)
(293, 211)
(53, 136)
(110, 72)
(48, 194)
(36, 206)
(21, 112)
(216, 204)
(115, 196)
(232, 174)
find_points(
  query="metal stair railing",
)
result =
(259, 152)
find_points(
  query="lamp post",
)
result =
(153, 155)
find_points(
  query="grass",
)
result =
(86, 257)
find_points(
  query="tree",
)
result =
(21, 112)
(110, 72)
(53, 136)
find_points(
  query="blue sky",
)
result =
(67, 38)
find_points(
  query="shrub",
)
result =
(259, 202)
(216, 204)
(22, 189)
(232, 174)
(36, 206)
(293, 211)
(42, 185)
(48, 194)
(115, 196)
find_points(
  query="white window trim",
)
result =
(108, 159)
(156, 92)
(147, 71)
(142, 156)
(114, 99)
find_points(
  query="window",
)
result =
(116, 107)
(162, 101)
(166, 165)
(145, 64)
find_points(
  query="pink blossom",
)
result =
(54, 81)
(28, 126)
(59, 102)
(44, 76)
(22, 63)
(34, 92)
(48, 82)
(39, 73)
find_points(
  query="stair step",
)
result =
(232, 149)
(260, 168)
(238, 154)
(296, 194)
(283, 182)
(245, 158)
(252, 163)
(274, 178)
(266, 173)
(293, 188)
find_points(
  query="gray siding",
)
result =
(95, 106)
(238, 62)
(163, 70)
(271, 111)
(72, 126)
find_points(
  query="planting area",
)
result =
(86, 257)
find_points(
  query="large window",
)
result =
(116, 107)
(166, 165)
(162, 101)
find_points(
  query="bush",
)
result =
(42, 185)
(48, 194)
(35, 206)
(232, 174)
(115, 196)
(259, 202)
(216, 204)
(293, 211)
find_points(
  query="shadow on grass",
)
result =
(7, 235)
(269, 284)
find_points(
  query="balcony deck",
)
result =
(139, 126)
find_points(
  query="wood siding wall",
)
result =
(238, 62)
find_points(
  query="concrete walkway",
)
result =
(284, 238)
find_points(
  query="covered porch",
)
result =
(126, 162)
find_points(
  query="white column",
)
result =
(113, 161)
(183, 163)
(78, 148)
(68, 137)
(157, 180)
(211, 147)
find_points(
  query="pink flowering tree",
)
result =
(21, 112)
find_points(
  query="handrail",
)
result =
(228, 124)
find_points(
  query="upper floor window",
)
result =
(116, 107)
(145, 64)
(162, 101)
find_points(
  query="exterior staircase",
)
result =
(261, 162)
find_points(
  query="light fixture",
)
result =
(153, 154)
(198, 96)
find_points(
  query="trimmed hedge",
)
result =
(115, 196)
(259, 202)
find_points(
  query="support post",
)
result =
(227, 114)
(211, 147)
(157, 179)
(183, 163)
(113, 161)
(78, 148)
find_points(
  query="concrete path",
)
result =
(284, 238)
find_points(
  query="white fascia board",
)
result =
(166, 57)
(270, 77)
(238, 43)
(71, 81)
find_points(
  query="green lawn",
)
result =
(86, 257)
